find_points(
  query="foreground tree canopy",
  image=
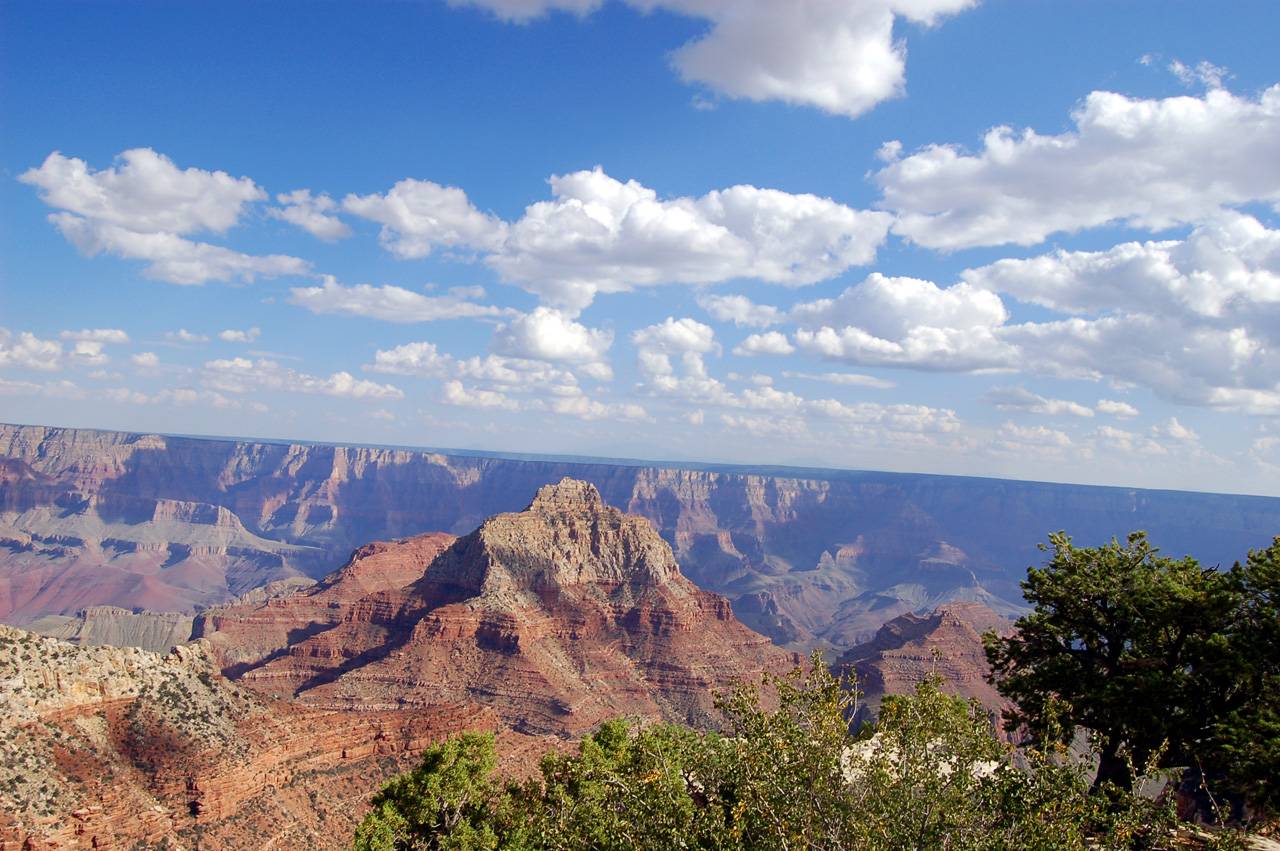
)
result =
(928, 775)
(1151, 655)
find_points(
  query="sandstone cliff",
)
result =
(556, 617)
(806, 556)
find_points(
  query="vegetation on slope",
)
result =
(1164, 663)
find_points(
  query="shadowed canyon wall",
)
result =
(90, 518)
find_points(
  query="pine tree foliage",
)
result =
(929, 775)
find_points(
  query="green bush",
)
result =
(928, 775)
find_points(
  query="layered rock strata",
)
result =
(807, 556)
(556, 617)
(946, 642)
(121, 748)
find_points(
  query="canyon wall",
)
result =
(90, 518)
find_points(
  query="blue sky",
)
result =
(1022, 239)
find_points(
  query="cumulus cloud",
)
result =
(418, 216)
(96, 335)
(27, 351)
(241, 375)
(453, 393)
(143, 208)
(686, 338)
(1229, 267)
(182, 335)
(768, 343)
(550, 335)
(740, 310)
(87, 353)
(145, 360)
(1195, 320)
(840, 56)
(314, 215)
(421, 359)
(392, 304)
(1021, 399)
(1122, 410)
(602, 235)
(907, 322)
(1034, 436)
(233, 336)
(1143, 163)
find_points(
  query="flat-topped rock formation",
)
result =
(556, 617)
(116, 627)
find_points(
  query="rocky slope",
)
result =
(556, 618)
(106, 518)
(121, 748)
(116, 627)
(909, 648)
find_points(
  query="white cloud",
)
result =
(687, 338)
(1205, 74)
(550, 335)
(768, 343)
(421, 359)
(418, 216)
(602, 235)
(1229, 267)
(390, 303)
(142, 209)
(233, 336)
(590, 409)
(314, 215)
(146, 360)
(52, 389)
(241, 375)
(453, 393)
(185, 396)
(96, 335)
(1122, 410)
(88, 353)
(1143, 163)
(1021, 399)
(27, 351)
(1226, 368)
(906, 322)
(840, 56)
(847, 379)
(1035, 436)
(740, 310)
(837, 55)
(182, 335)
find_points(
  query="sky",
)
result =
(1032, 240)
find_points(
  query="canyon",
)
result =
(806, 557)
(538, 625)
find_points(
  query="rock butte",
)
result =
(543, 621)
(556, 617)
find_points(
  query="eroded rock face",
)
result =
(106, 518)
(104, 747)
(909, 648)
(556, 617)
